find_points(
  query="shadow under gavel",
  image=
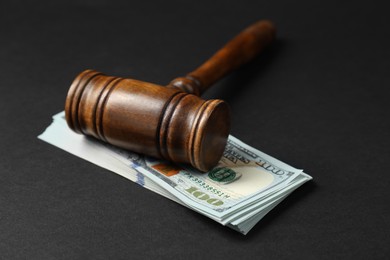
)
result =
(170, 122)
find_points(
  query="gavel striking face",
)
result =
(170, 122)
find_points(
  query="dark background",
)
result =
(318, 99)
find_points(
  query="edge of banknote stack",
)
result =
(238, 192)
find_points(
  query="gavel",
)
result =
(172, 122)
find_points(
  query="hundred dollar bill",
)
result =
(240, 191)
(243, 177)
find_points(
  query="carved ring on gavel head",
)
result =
(170, 122)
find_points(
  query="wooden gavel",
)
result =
(170, 122)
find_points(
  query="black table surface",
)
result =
(318, 99)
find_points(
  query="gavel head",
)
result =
(149, 119)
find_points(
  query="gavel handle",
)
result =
(238, 51)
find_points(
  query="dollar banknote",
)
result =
(243, 177)
(238, 192)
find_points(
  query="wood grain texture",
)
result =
(171, 122)
(238, 51)
(148, 119)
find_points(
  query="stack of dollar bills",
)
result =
(238, 192)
